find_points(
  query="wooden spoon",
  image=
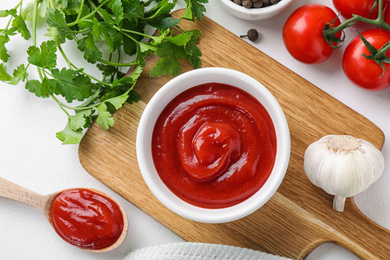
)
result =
(43, 203)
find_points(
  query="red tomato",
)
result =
(358, 7)
(363, 72)
(302, 33)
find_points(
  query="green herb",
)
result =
(104, 31)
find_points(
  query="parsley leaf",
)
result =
(12, 12)
(87, 45)
(177, 47)
(35, 86)
(4, 76)
(168, 63)
(19, 74)
(79, 120)
(118, 101)
(195, 9)
(117, 10)
(21, 26)
(45, 56)
(3, 50)
(69, 135)
(105, 32)
(54, 18)
(72, 85)
(104, 118)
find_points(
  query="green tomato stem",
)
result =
(382, 51)
(356, 18)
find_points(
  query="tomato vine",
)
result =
(379, 56)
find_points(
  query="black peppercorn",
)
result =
(247, 3)
(252, 35)
(255, 3)
(258, 4)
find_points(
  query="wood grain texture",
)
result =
(299, 217)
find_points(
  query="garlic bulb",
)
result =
(343, 166)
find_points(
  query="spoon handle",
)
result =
(13, 191)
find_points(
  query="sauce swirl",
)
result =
(214, 145)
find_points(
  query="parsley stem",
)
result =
(70, 64)
(20, 5)
(12, 17)
(9, 23)
(96, 9)
(82, 31)
(81, 10)
(35, 18)
(84, 106)
(133, 32)
(117, 64)
(61, 105)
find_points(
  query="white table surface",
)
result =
(31, 156)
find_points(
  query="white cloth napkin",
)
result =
(199, 251)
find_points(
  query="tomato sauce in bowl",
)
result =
(214, 145)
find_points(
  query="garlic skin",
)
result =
(343, 166)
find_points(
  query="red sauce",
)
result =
(86, 219)
(214, 145)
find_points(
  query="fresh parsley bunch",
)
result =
(100, 28)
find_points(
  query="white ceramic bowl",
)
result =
(144, 144)
(255, 14)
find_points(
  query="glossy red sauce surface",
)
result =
(86, 219)
(214, 145)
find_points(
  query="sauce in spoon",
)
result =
(86, 218)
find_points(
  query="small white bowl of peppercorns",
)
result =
(255, 9)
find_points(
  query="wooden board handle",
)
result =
(307, 225)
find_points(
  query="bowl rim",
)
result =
(256, 11)
(168, 198)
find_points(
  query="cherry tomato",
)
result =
(302, 33)
(363, 72)
(358, 7)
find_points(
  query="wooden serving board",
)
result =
(299, 217)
